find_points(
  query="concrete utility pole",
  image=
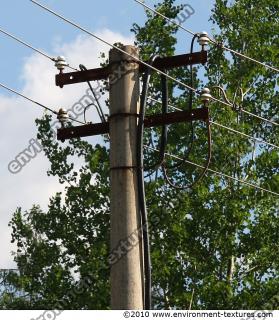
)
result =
(126, 258)
(126, 273)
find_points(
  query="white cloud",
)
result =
(31, 185)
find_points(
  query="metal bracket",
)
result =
(103, 73)
(93, 129)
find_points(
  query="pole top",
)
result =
(117, 56)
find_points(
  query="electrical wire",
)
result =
(190, 107)
(161, 162)
(98, 106)
(259, 117)
(163, 16)
(205, 168)
(144, 102)
(136, 59)
(229, 104)
(241, 55)
(155, 100)
(141, 190)
(217, 172)
(139, 60)
(32, 48)
(260, 141)
(77, 121)
(164, 130)
(191, 72)
(160, 102)
(245, 135)
(124, 52)
(27, 98)
(85, 109)
(164, 133)
(27, 45)
(163, 144)
(37, 103)
(232, 105)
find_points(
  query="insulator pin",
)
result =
(205, 96)
(63, 117)
(61, 63)
(203, 39)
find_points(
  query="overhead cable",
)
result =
(136, 59)
(36, 102)
(122, 51)
(241, 55)
(141, 189)
(218, 173)
(33, 48)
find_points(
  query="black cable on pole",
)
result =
(205, 168)
(141, 191)
(190, 108)
(85, 109)
(165, 104)
(191, 71)
(98, 106)
(164, 130)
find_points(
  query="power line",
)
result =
(157, 70)
(244, 111)
(27, 45)
(27, 98)
(166, 18)
(135, 58)
(211, 40)
(245, 135)
(155, 100)
(239, 109)
(119, 49)
(217, 172)
(36, 102)
(259, 117)
(139, 60)
(205, 168)
(32, 48)
(112, 45)
(241, 55)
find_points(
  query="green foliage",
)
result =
(60, 248)
(215, 246)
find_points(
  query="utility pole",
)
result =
(127, 279)
(126, 274)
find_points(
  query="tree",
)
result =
(213, 246)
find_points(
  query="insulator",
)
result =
(63, 116)
(203, 39)
(205, 96)
(61, 63)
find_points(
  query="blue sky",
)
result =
(27, 21)
(33, 75)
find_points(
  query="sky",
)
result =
(34, 76)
